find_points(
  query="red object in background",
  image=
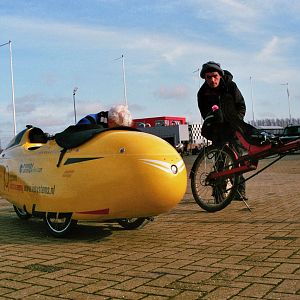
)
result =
(158, 121)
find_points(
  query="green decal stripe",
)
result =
(79, 159)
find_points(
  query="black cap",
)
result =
(211, 66)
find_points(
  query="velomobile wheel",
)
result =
(213, 194)
(132, 223)
(59, 224)
(22, 214)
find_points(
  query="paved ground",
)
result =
(185, 254)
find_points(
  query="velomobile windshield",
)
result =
(16, 140)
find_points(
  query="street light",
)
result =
(288, 94)
(74, 92)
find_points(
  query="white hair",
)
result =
(120, 115)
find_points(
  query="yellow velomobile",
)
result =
(87, 173)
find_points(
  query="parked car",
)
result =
(291, 132)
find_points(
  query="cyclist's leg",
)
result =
(219, 190)
(241, 191)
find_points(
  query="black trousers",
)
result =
(240, 151)
(223, 139)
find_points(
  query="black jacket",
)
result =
(227, 96)
(231, 103)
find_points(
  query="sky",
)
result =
(59, 45)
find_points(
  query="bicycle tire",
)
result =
(214, 195)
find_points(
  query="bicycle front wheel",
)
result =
(214, 194)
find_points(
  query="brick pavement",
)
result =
(184, 254)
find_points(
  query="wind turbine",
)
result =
(124, 78)
(252, 103)
(288, 94)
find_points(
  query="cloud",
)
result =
(50, 79)
(28, 103)
(175, 93)
(229, 15)
(85, 107)
(241, 38)
(246, 19)
(137, 108)
(275, 48)
(270, 49)
(54, 35)
(59, 34)
(173, 54)
(40, 110)
(232, 10)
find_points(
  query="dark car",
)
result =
(290, 133)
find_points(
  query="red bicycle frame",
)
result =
(249, 161)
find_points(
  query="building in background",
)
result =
(277, 130)
(158, 121)
(175, 130)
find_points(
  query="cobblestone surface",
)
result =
(184, 254)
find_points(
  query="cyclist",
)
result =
(220, 90)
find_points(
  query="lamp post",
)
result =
(74, 102)
(12, 86)
(288, 95)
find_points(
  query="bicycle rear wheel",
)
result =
(214, 194)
